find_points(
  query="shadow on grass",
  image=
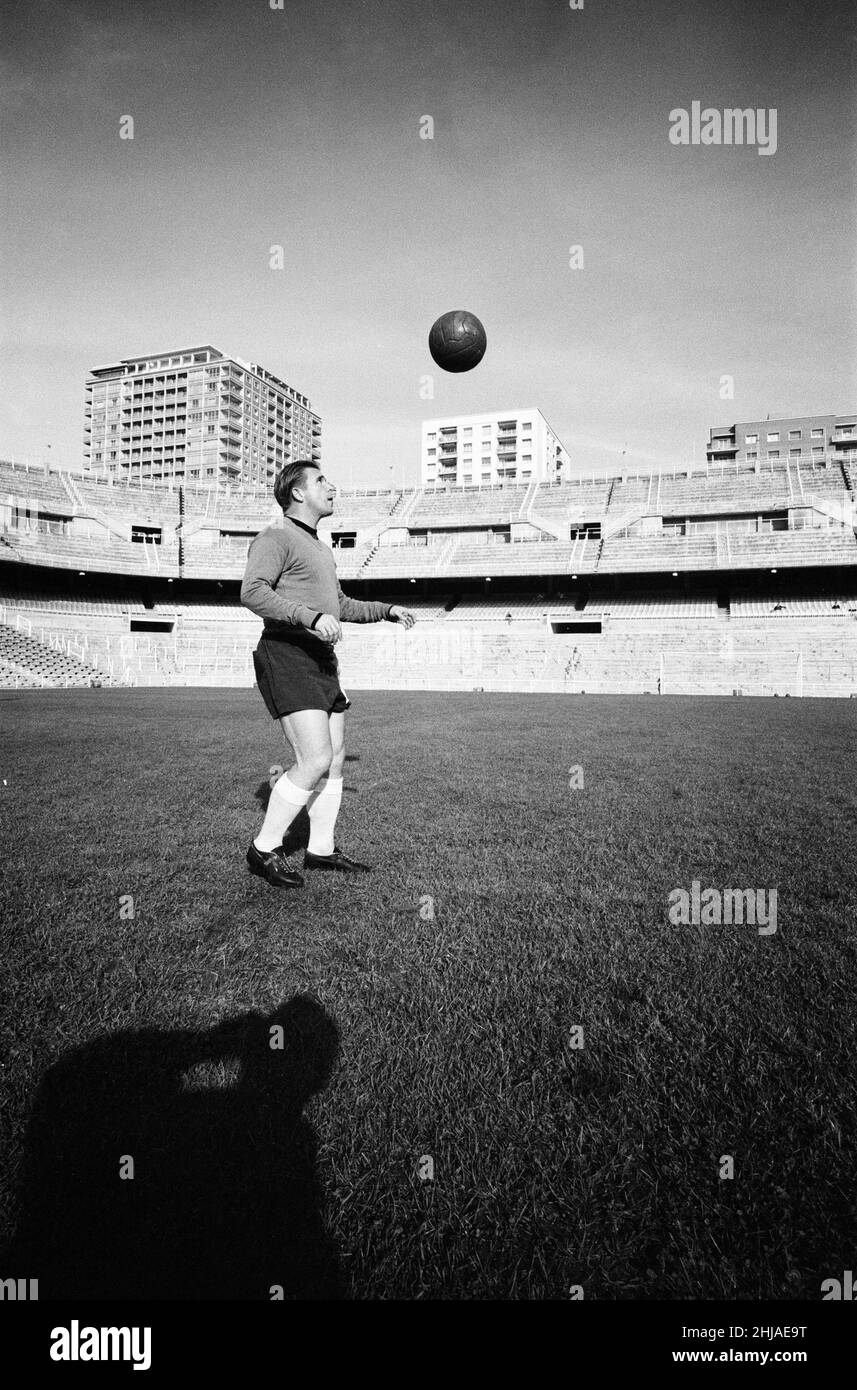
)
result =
(224, 1202)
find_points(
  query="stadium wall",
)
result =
(796, 638)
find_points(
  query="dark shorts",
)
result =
(298, 673)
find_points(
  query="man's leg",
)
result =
(308, 732)
(323, 809)
(323, 806)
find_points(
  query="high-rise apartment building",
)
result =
(504, 446)
(195, 414)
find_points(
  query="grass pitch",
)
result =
(429, 1011)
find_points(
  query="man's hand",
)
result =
(403, 616)
(329, 628)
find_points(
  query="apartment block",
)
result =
(195, 415)
(804, 438)
(504, 446)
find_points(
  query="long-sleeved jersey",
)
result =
(290, 580)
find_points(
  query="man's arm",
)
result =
(358, 610)
(264, 567)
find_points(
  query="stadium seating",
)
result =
(659, 553)
(353, 509)
(645, 606)
(107, 555)
(785, 606)
(701, 635)
(465, 507)
(46, 490)
(26, 660)
(130, 504)
(698, 656)
(240, 513)
(583, 499)
(824, 546)
(522, 557)
(350, 560)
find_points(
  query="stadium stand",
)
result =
(751, 585)
(659, 552)
(466, 506)
(29, 662)
(571, 499)
(35, 487)
(105, 555)
(127, 504)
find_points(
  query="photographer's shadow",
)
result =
(224, 1201)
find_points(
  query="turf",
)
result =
(429, 1010)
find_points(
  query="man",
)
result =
(290, 581)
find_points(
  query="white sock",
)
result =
(285, 801)
(322, 811)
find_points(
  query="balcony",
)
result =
(846, 434)
(723, 445)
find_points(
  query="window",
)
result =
(818, 453)
(774, 438)
(468, 429)
(794, 434)
(432, 453)
(773, 453)
(527, 425)
(794, 453)
(752, 455)
(486, 458)
(486, 429)
(818, 434)
(431, 436)
(468, 449)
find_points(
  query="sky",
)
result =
(299, 127)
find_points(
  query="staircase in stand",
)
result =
(73, 494)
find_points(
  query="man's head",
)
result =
(303, 491)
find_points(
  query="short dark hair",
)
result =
(292, 475)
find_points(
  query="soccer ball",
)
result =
(457, 341)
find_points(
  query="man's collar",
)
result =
(302, 524)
